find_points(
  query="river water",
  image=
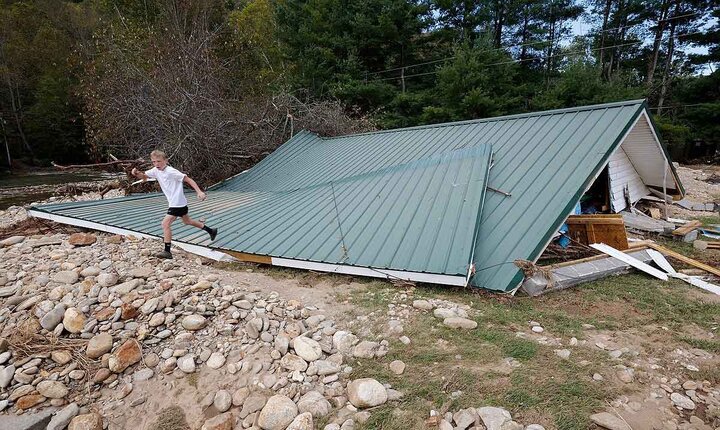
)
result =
(24, 188)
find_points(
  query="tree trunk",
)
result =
(620, 35)
(606, 15)
(7, 146)
(668, 62)
(499, 22)
(659, 31)
(524, 37)
(550, 49)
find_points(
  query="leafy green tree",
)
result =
(478, 82)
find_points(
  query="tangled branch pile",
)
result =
(168, 86)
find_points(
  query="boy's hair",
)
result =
(158, 153)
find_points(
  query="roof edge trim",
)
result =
(202, 251)
(390, 275)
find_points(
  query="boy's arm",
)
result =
(139, 174)
(200, 194)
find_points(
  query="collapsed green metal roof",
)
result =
(408, 200)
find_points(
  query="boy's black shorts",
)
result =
(178, 211)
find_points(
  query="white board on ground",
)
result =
(697, 282)
(634, 262)
(661, 261)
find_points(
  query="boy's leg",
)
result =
(167, 235)
(189, 221)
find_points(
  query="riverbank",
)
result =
(27, 187)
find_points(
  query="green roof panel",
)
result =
(410, 199)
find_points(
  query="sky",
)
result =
(583, 26)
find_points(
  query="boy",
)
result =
(171, 182)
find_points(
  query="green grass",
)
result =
(660, 302)
(441, 361)
(544, 389)
(709, 220)
(712, 346)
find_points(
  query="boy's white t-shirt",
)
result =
(171, 183)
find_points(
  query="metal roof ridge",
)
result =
(441, 158)
(496, 118)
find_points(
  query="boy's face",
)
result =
(159, 162)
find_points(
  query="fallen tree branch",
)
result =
(90, 166)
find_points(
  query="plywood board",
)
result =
(609, 229)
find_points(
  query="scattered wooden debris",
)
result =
(692, 280)
(643, 223)
(669, 253)
(702, 245)
(688, 232)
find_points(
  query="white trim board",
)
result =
(374, 273)
(695, 281)
(194, 249)
(275, 261)
(634, 262)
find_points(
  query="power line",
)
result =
(519, 45)
(520, 60)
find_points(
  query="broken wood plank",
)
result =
(595, 257)
(697, 282)
(639, 244)
(634, 262)
(581, 219)
(669, 253)
(655, 213)
(687, 228)
(249, 258)
(640, 221)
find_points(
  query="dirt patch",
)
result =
(320, 292)
(573, 304)
(697, 189)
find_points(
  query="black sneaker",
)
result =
(213, 233)
(164, 254)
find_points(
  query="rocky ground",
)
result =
(94, 325)
(98, 329)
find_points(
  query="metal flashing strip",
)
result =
(430, 278)
(194, 249)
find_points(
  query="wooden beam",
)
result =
(594, 257)
(684, 259)
(249, 258)
(687, 228)
(640, 244)
(612, 221)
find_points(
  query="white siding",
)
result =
(645, 154)
(638, 163)
(623, 175)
